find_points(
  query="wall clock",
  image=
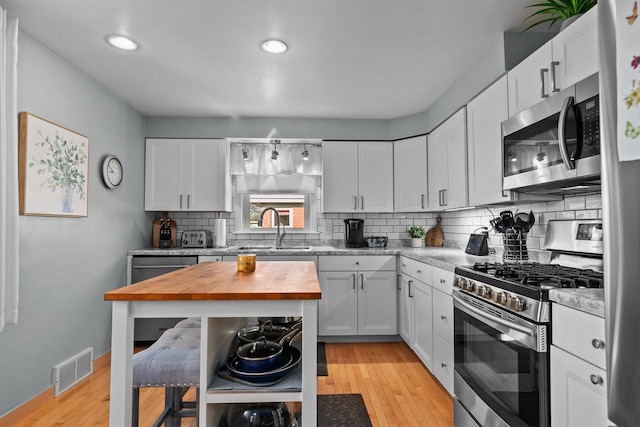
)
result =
(112, 172)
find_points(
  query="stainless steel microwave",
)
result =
(554, 146)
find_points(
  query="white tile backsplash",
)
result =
(456, 226)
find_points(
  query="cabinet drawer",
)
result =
(442, 280)
(443, 363)
(579, 333)
(443, 315)
(357, 262)
(578, 392)
(404, 265)
(421, 271)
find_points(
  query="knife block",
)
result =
(157, 225)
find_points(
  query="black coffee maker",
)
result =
(353, 233)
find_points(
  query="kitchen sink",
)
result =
(255, 248)
(294, 248)
(268, 248)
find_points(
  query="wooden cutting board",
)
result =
(434, 235)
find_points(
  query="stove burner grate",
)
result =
(544, 276)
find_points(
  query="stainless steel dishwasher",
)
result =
(146, 267)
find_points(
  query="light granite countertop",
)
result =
(587, 300)
(442, 257)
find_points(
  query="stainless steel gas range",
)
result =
(502, 327)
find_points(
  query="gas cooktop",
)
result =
(544, 276)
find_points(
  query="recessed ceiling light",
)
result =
(122, 42)
(274, 46)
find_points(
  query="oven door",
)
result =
(501, 365)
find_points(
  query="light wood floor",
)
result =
(397, 389)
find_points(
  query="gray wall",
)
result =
(216, 127)
(66, 264)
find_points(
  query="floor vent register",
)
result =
(72, 371)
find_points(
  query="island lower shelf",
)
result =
(222, 390)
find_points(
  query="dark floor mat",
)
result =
(322, 360)
(342, 410)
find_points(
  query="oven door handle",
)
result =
(492, 321)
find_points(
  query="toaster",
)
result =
(196, 239)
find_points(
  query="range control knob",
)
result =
(500, 297)
(462, 282)
(456, 282)
(483, 291)
(469, 285)
(515, 303)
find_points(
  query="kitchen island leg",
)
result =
(121, 364)
(309, 363)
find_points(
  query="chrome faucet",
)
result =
(279, 237)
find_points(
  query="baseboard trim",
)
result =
(21, 412)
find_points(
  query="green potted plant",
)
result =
(559, 10)
(416, 233)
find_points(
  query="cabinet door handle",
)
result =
(362, 281)
(443, 317)
(444, 197)
(443, 281)
(181, 201)
(362, 202)
(542, 73)
(188, 201)
(355, 203)
(422, 201)
(353, 277)
(596, 343)
(596, 379)
(409, 288)
(398, 286)
(554, 86)
(443, 365)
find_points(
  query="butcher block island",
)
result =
(226, 300)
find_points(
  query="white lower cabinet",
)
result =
(578, 376)
(443, 328)
(578, 391)
(443, 362)
(405, 309)
(425, 310)
(422, 343)
(358, 295)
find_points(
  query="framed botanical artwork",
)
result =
(54, 169)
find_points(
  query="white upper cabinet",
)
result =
(485, 114)
(357, 176)
(569, 57)
(410, 174)
(187, 175)
(447, 164)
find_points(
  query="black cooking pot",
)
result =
(263, 355)
(267, 329)
(259, 415)
(280, 321)
(292, 359)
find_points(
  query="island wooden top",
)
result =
(272, 280)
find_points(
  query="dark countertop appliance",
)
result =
(503, 324)
(354, 233)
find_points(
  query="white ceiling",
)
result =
(375, 59)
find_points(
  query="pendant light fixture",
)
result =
(274, 153)
(245, 154)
